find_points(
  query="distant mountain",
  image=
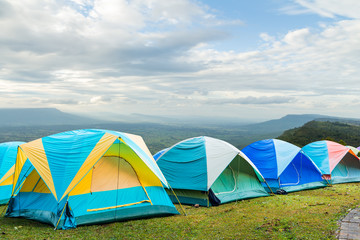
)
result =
(284, 123)
(39, 116)
(158, 132)
(198, 121)
(348, 134)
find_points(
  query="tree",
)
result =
(330, 139)
(342, 142)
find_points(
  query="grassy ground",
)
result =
(312, 214)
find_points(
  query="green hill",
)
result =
(345, 133)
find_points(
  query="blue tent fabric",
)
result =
(260, 151)
(284, 165)
(8, 153)
(63, 172)
(44, 208)
(5, 193)
(159, 153)
(172, 161)
(318, 151)
(305, 171)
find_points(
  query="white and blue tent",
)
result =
(209, 171)
(284, 165)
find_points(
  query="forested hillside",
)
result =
(347, 134)
(156, 136)
(43, 122)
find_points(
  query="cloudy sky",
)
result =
(257, 59)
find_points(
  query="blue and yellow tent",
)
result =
(86, 177)
(8, 152)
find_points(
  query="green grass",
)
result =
(312, 214)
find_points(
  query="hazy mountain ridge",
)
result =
(39, 116)
(30, 124)
(53, 116)
(284, 123)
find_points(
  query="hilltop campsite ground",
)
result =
(312, 214)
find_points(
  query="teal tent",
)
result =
(209, 171)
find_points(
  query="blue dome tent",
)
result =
(284, 165)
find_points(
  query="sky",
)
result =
(258, 59)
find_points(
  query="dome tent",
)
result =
(284, 165)
(8, 152)
(86, 177)
(337, 163)
(209, 171)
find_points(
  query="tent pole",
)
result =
(117, 179)
(208, 199)
(177, 199)
(5, 208)
(268, 187)
(328, 183)
(62, 212)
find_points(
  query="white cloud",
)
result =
(328, 8)
(298, 37)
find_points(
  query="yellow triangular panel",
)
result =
(20, 161)
(41, 187)
(7, 181)
(146, 176)
(34, 183)
(100, 148)
(140, 142)
(84, 186)
(36, 154)
(7, 175)
(30, 182)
